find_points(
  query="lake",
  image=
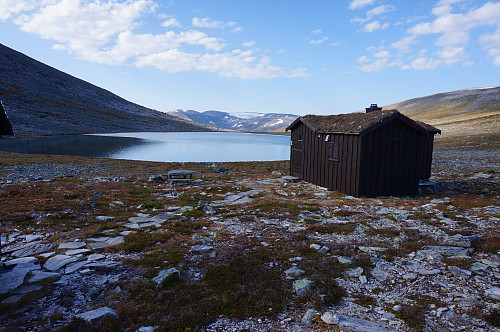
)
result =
(167, 147)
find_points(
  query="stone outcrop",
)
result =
(5, 126)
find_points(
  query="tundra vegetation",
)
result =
(245, 249)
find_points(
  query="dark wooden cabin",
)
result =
(377, 153)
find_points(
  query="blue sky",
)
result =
(284, 56)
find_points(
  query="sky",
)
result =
(268, 56)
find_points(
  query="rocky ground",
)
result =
(98, 244)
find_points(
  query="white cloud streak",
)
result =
(357, 4)
(103, 31)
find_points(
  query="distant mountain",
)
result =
(41, 100)
(255, 122)
(460, 112)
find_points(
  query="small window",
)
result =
(333, 151)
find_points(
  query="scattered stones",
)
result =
(361, 325)
(308, 316)
(355, 272)
(379, 274)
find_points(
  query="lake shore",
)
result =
(246, 249)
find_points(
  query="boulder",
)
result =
(166, 274)
(11, 280)
(302, 286)
(330, 318)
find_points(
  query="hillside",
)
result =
(254, 122)
(41, 100)
(468, 111)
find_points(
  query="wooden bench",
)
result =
(180, 175)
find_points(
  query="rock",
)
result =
(371, 249)
(22, 261)
(294, 272)
(201, 248)
(38, 276)
(104, 218)
(33, 249)
(95, 257)
(105, 242)
(323, 250)
(330, 318)
(354, 273)
(166, 274)
(33, 237)
(379, 274)
(282, 193)
(427, 272)
(96, 315)
(308, 316)
(460, 240)
(74, 267)
(58, 261)
(478, 267)
(450, 251)
(490, 263)
(291, 179)
(278, 173)
(302, 286)
(12, 301)
(76, 251)
(343, 260)
(72, 245)
(361, 325)
(315, 246)
(11, 280)
(138, 220)
(458, 272)
(493, 293)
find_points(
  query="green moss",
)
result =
(152, 205)
(139, 241)
(334, 228)
(413, 316)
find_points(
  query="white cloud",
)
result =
(380, 10)
(317, 31)
(171, 22)
(495, 53)
(375, 25)
(207, 23)
(378, 65)
(10, 8)
(490, 39)
(403, 45)
(103, 31)
(357, 4)
(234, 64)
(382, 54)
(249, 44)
(318, 41)
(363, 59)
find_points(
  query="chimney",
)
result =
(373, 107)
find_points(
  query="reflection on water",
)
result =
(181, 147)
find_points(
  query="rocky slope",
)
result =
(41, 100)
(468, 111)
(253, 122)
(106, 244)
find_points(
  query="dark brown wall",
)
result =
(391, 161)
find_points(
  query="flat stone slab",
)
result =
(106, 242)
(72, 245)
(58, 261)
(73, 267)
(138, 220)
(96, 315)
(450, 251)
(39, 276)
(11, 280)
(361, 325)
(23, 260)
(33, 249)
(294, 272)
(201, 248)
(76, 251)
(493, 293)
(165, 274)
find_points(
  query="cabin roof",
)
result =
(357, 123)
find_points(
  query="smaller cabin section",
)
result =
(378, 153)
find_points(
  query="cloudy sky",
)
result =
(285, 56)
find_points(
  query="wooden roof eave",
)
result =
(300, 119)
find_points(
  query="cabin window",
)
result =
(333, 151)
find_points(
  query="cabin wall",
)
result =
(326, 160)
(427, 147)
(391, 163)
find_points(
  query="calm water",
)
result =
(181, 147)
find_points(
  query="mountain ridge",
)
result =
(247, 121)
(42, 100)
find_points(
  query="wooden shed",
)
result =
(377, 153)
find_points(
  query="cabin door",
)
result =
(297, 162)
